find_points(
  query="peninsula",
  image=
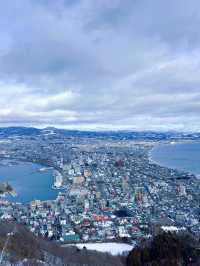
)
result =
(6, 188)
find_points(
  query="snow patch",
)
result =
(112, 248)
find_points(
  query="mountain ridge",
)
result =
(121, 134)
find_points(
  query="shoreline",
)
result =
(7, 193)
(39, 169)
(157, 145)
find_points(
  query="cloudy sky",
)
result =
(99, 64)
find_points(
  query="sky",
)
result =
(85, 64)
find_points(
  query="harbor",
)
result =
(28, 182)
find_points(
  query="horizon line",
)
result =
(104, 129)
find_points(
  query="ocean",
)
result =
(181, 156)
(31, 184)
(28, 182)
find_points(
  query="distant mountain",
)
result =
(129, 135)
(21, 131)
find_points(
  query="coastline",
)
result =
(28, 182)
(7, 191)
(164, 144)
(5, 194)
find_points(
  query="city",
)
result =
(99, 133)
(109, 190)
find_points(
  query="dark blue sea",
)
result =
(28, 182)
(183, 156)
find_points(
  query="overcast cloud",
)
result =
(118, 64)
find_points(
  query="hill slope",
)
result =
(22, 246)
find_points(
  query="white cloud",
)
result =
(100, 64)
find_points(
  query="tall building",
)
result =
(182, 190)
(78, 180)
(125, 183)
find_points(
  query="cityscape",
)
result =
(99, 133)
(109, 190)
